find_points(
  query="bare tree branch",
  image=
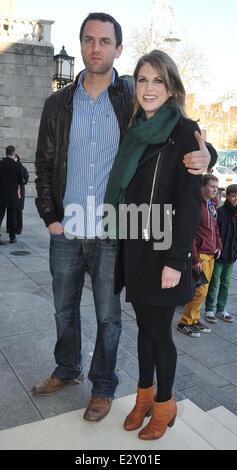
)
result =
(190, 61)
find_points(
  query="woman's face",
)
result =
(150, 90)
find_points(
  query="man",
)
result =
(80, 131)
(206, 247)
(10, 181)
(21, 201)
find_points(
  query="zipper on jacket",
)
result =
(210, 225)
(146, 229)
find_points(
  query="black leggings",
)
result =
(156, 349)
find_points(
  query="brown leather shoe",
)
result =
(53, 384)
(98, 408)
(48, 386)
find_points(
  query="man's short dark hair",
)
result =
(232, 188)
(104, 17)
(10, 149)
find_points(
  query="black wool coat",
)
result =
(10, 178)
(138, 265)
(25, 179)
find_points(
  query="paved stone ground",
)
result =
(207, 366)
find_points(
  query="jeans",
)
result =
(68, 261)
(219, 287)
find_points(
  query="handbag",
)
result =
(199, 279)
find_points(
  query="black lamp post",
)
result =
(63, 69)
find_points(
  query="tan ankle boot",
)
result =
(163, 415)
(142, 408)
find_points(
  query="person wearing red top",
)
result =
(207, 247)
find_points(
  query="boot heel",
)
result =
(148, 413)
(171, 423)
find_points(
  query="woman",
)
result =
(149, 169)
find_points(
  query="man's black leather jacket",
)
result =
(53, 139)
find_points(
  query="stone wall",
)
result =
(25, 82)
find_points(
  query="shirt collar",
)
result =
(82, 74)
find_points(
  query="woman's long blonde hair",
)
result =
(169, 73)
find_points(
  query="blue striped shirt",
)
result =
(93, 144)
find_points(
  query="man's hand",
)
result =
(217, 253)
(56, 228)
(197, 162)
(197, 267)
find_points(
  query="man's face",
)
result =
(210, 190)
(232, 198)
(98, 46)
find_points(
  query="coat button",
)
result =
(189, 255)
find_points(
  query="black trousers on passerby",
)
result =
(11, 220)
(156, 349)
(19, 222)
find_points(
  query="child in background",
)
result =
(206, 247)
(220, 281)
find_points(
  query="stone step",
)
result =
(212, 431)
(70, 431)
(194, 429)
(225, 417)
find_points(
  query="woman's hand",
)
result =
(170, 277)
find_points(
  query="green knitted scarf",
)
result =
(155, 130)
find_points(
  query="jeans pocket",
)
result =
(56, 234)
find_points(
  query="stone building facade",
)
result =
(26, 66)
(218, 122)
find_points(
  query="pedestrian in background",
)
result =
(21, 201)
(10, 181)
(220, 282)
(207, 247)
